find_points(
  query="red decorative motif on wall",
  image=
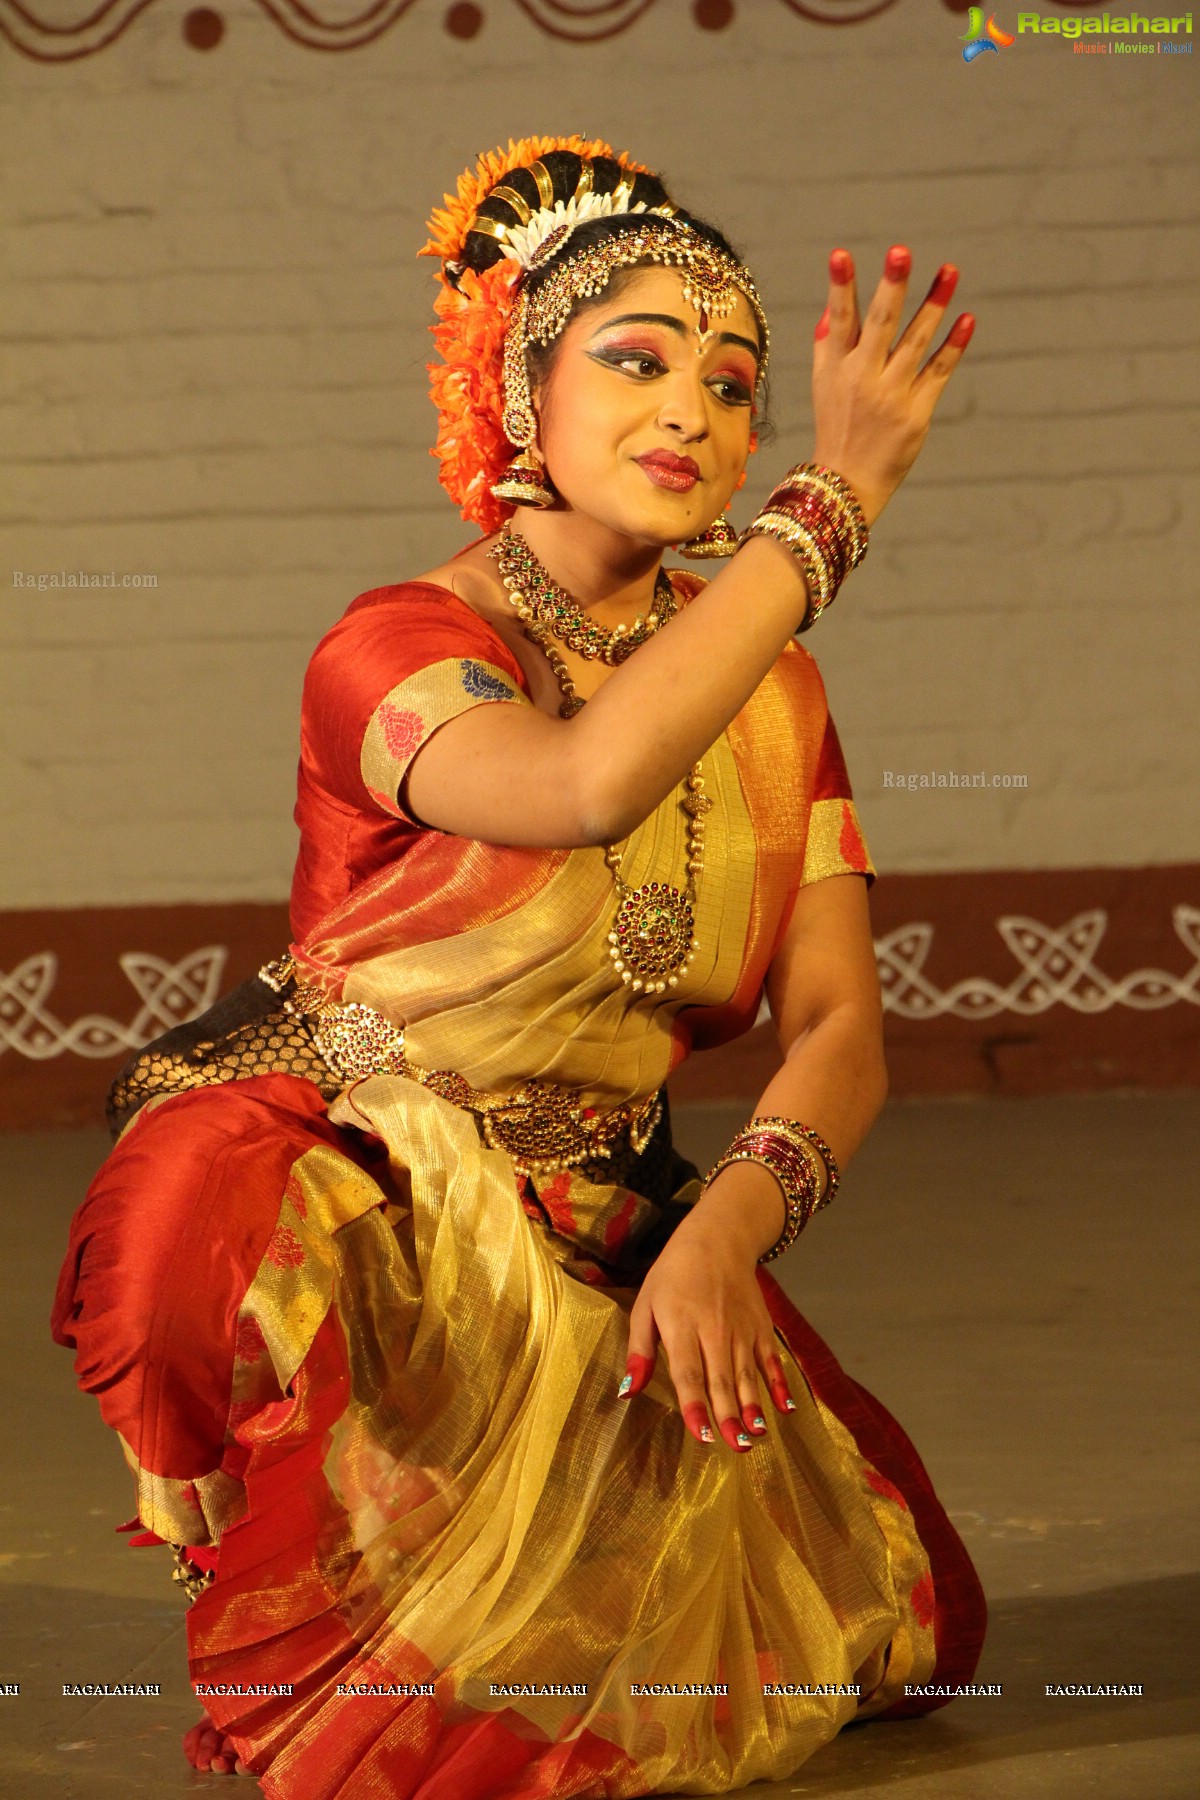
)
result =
(203, 27)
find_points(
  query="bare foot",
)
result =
(208, 1749)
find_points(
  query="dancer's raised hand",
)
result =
(874, 395)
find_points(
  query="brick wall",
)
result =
(214, 338)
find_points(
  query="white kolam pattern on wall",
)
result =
(170, 994)
(1056, 967)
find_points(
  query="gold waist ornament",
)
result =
(543, 1127)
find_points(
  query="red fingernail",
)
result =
(781, 1396)
(944, 284)
(637, 1374)
(695, 1417)
(897, 263)
(960, 331)
(841, 267)
(735, 1436)
(822, 325)
(753, 1420)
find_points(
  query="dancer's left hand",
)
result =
(702, 1303)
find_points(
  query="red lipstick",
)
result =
(667, 470)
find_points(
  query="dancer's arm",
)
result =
(824, 994)
(701, 1302)
(515, 775)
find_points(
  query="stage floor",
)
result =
(1012, 1278)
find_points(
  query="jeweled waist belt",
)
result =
(542, 1126)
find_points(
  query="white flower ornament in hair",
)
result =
(522, 242)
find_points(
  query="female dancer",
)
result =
(375, 1284)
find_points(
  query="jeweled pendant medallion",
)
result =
(651, 943)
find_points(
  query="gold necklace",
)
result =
(653, 940)
(540, 600)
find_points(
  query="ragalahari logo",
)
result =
(983, 37)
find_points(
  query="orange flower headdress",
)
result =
(486, 320)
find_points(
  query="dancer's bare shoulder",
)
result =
(472, 578)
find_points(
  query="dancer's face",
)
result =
(644, 425)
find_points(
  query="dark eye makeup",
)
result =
(737, 392)
(633, 358)
(643, 363)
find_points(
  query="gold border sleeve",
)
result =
(409, 715)
(835, 843)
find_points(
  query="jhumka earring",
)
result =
(522, 482)
(719, 540)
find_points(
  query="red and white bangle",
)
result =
(797, 1156)
(815, 512)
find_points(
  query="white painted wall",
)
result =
(213, 349)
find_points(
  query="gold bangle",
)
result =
(828, 502)
(838, 490)
(794, 1162)
(795, 1154)
(818, 576)
(812, 1140)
